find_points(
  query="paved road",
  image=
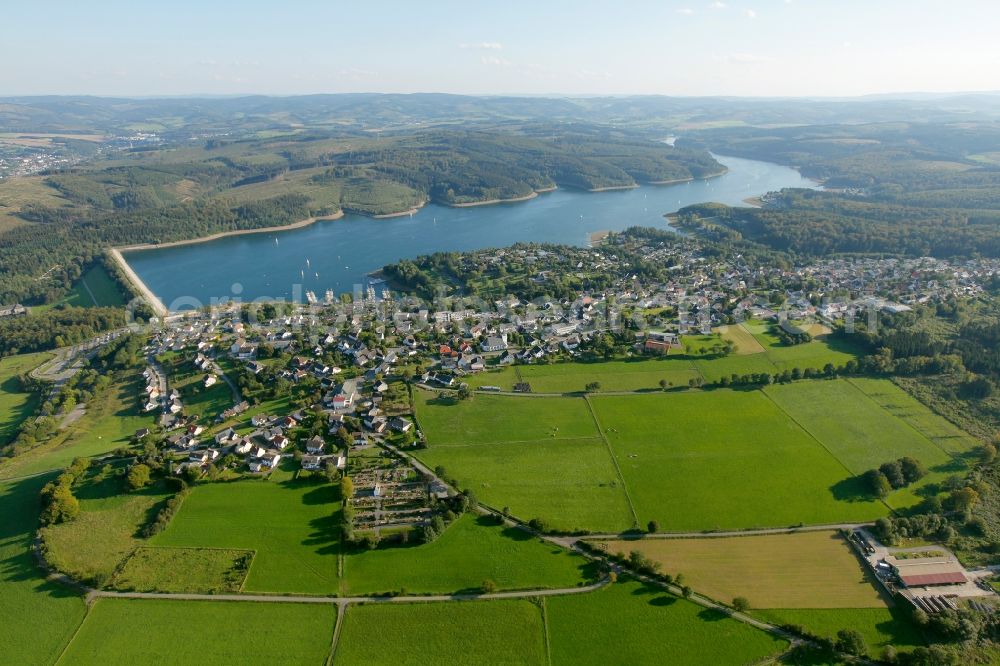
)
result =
(626, 536)
(69, 360)
(237, 397)
(271, 598)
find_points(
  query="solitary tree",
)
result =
(653, 527)
(850, 641)
(593, 386)
(893, 471)
(741, 604)
(912, 469)
(877, 483)
(489, 587)
(60, 504)
(138, 476)
(963, 499)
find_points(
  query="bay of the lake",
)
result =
(338, 254)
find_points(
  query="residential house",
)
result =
(400, 424)
(316, 445)
(494, 344)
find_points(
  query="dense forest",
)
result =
(59, 246)
(58, 327)
(891, 188)
(810, 223)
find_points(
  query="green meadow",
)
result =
(815, 354)
(879, 626)
(183, 570)
(207, 403)
(862, 434)
(868, 438)
(474, 632)
(757, 351)
(723, 459)
(692, 460)
(470, 551)
(631, 623)
(290, 525)
(157, 631)
(92, 546)
(491, 418)
(95, 288)
(539, 456)
(623, 375)
(942, 432)
(39, 617)
(109, 423)
(16, 404)
(571, 484)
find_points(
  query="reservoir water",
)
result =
(338, 254)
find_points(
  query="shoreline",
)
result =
(147, 294)
(386, 216)
(491, 202)
(597, 237)
(236, 232)
(612, 188)
(690, 179)
(671, 182)
(118, 253)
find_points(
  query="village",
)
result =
(325, 387)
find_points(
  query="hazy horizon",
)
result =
(698, 48)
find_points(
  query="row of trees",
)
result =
(893, 475)
(59, 505)
(57, 327)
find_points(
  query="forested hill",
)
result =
(171, 192)
(892, 188)
(808, 223)
(238, 115)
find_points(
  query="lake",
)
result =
(338, 254)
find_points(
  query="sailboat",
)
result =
(307, 263)
(275, 240)
(302, 274)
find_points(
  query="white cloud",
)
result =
(488, 46)
(494, 60)
(750, 14)
(718, 4)
(686, 11)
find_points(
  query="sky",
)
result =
(545, 47)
